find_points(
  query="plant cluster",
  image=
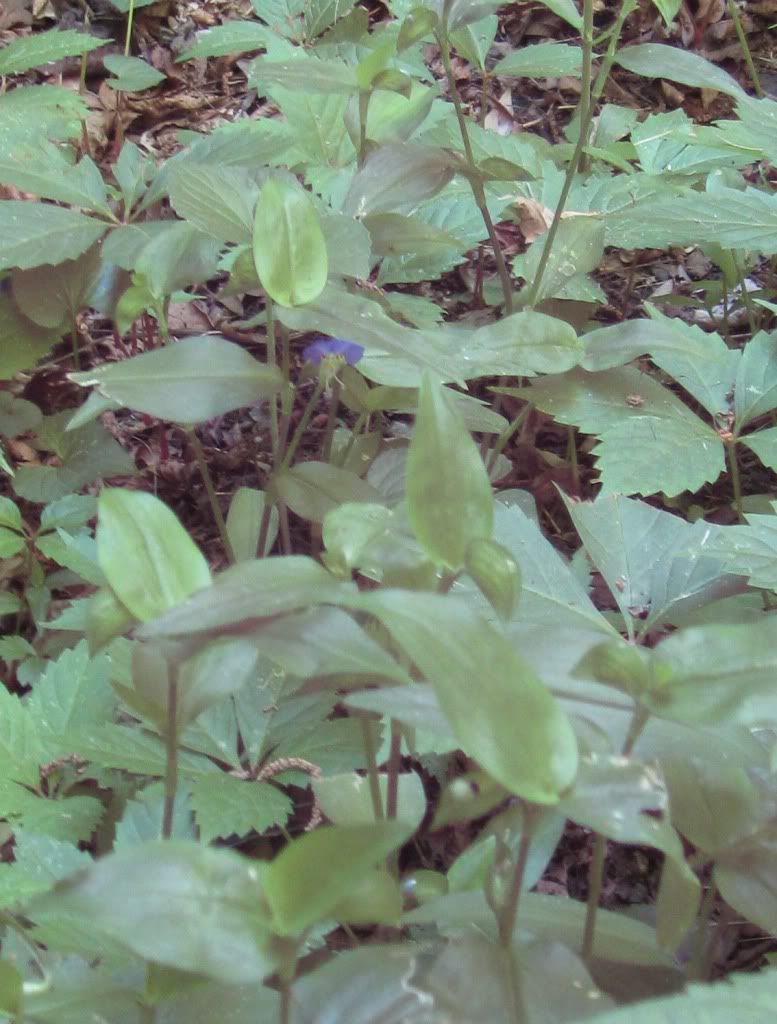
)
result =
(174, 737)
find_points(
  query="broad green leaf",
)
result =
(44, 47)
(132, 73)
(346, 800)
(649, 440)
(419, 22)
(176, 258)
(677, 902)
(577, 248)
(11, 542)
(457, 13)
(523, 343)
(396, 177)
(393, 234)
(225, 806)
(221, 669)
(764, 444)
(135, 751)
(668, 9)
(656, 60)
(321, 14)
(307, 74)
(496, 573)
(190, 381)
(45, 171)
(654, 563)
(473, 42)
(414, 706)
(234, 36)
(17, 415)
(312, 489)
(747, 880)
(148, 558)
(374, 539)
(175, 903)
(565, 9)
(510, 723)
(289, 246)
(71, 819)
(20, 747)
(52, 297)
(73, 692)
(143, 816)
(10, 516)
(750, 550)
(548, 60)
(347, 245)
(252, 590)
(755, 392)
(39, 862)
(218, 200)
(244, 523)
(311, 875)
(69, 513)
(34, 234)
(448, 491)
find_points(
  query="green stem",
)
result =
(215, 507)
(509, 912)
(585, 111)
(747, 302)
(128, 36)
(331, 420)
(595, 879)
(364, 103)
(474, 175)
(283, 523)
(736, 484)
(264, 528)
(302, 425)
(395, 758)
(504, 438)
(74, 338)
(284, 1009)
(751, 69)
(627, 8)
(572, 458)
(272, 361)
(357, 429)
(287, 395)
(696, 964)
(368, 739)
(171, 763)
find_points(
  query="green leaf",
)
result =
(448, 490)
(465, 12)
(548, 60)
(308, 74)
(11, 543)
(234, 36)
(44, 47)
(347, 246)
(497, 575)
(567, 10)
(649, 440)
(315, 872)
(321, 14)
(681, 572)
(132, 73)
(577, 248)
(190, 381)
(20, 749)
(45, 171)
(522, 343)
(220, 201)
(147, 556)
(655, 60)
(22, 344)
(393, 234)
(755, 392)
(135, 751)
(52, 297)
(252, 590)
(346, 800)
(397, 176)
(225, 806)
(17, 415)
(175, 903)
(34, 234)
(289, 246)
(514, 729)
(473, 42)
(73, 692)
(745, 875)
(312, 489)
(244, 522)
(418, 23)
(668, 9)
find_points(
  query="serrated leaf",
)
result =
(321, 14)
(73, 692)
(755, 391)
(52, 297)
(649, 440)
(225, 806)
(190, 381)
(218, 200)
(448, 491)
(473, 41)
(308, 74)
(20, 749)
(44, 171)
(44, 47)
(35, 234)
(234, 36)
(395, 177)
(148, 558)
(750, 550)
(132, 73)
(289, 247)
(547, 60)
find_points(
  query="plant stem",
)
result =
(284, 1008)
(504, 438)
(696, 965)
(751, 69)
(368, 739)
(474, 175)
(272, 361)
(264, 528)
(171, 764)
(331, 420)
(215, 507)
(357, 429)
(595, 879)
(302, 425)
(395, 758)
(128, 36)
(736, 484)
(627, 8)
(508, 915)
(364, 104)
(586, 109)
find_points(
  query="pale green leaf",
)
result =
(548, 60)
(234, 36)
(218, 200)
(312, 489)
(34, 234)
(132, 73)
(225, 806)
(656, 60)
(289, 246)
(43, 48)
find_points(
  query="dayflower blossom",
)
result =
(322, 348)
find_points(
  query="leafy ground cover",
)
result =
(387, 527)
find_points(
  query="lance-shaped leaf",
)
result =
(132, 73)
(499, 710)
(304, 74)
(656, 60)
(448, 491)
(523, 343)
(148, 558)
(175, 903)
(396, 177)
(234, 36)
(649, 440)
(548, 60)
(190, 381)
(42, 48)
(289, 245)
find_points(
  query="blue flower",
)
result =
(348, 351)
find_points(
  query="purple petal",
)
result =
(322, 347)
